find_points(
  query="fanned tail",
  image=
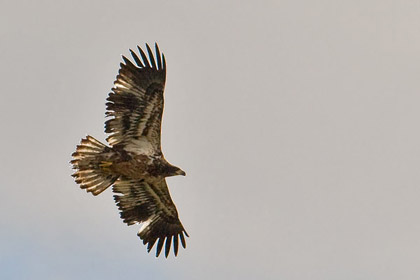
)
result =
(91, 161)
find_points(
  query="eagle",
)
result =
(133, 163)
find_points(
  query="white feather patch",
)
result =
(146, 114)
(146, 223)
(140, 146)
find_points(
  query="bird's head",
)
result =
(180, 172)
(174, 171)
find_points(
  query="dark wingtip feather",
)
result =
(126, 60)
(159, 246)
(168, 245)
(158, 58)
(136, 58)
(144, 57)
(181, 235)
(163, 61)
(176, 245)
(151, 57)
(150, 245)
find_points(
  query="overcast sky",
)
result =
(297, 123)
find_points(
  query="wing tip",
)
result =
(155, 60)
(168, 241)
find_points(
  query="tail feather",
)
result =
(90, 162)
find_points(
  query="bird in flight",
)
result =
(133, 162)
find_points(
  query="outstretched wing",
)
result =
(135, 104)
(150, 204)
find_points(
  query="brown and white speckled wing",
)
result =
(150, 204)
(135, 105)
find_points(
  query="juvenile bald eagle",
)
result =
(134, 163)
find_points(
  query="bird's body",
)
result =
(151, 168)
(134, 163)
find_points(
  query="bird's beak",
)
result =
(180, 172)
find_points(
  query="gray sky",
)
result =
(297, 123)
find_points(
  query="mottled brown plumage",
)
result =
(134, 164)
